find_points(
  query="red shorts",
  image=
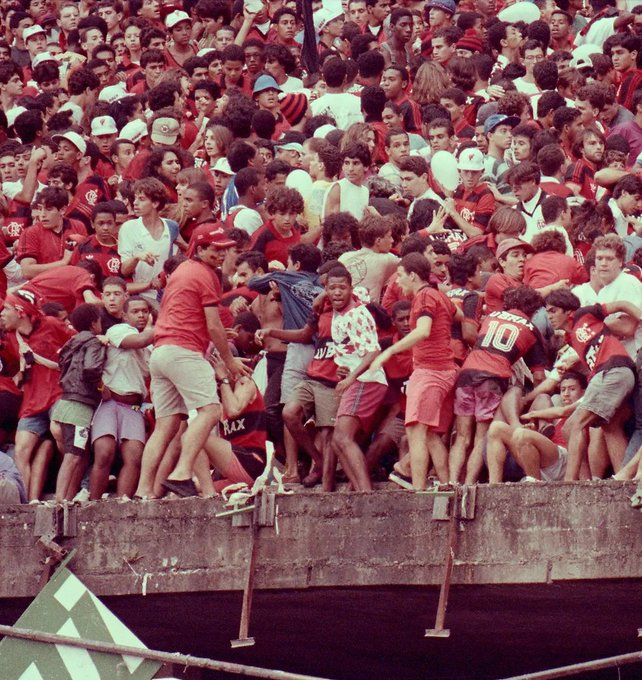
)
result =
(480, 401)
(362, 400)
(430, 397)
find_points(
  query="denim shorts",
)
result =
(37, 424)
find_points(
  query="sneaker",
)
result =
(530, 480)
(82, 496)
(404, 481)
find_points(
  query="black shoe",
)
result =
(181, 487)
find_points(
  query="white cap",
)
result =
(103, 126)
(31, 31)
(13, 113)
(322, 131)
(205, 50)
(222, 165)
(471, 159)
(134, 131)
(75, 139)
(176, 17)
(520, 11)
(582, 55)
(42, 58)
(113, 93)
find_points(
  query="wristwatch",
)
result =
(225, 381)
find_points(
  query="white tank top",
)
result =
(354, 199)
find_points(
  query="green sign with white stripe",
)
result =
(67, 607)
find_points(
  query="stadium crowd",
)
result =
(382, 241)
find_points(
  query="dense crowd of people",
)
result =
(380, 241)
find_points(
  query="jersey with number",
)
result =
(598, 348)
(504, 338)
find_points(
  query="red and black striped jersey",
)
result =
(598, 348)
(504, 338)
(322, 366)
(471, 304)
(249, 429)
(582, 172)
(631, 81)
(476, 206)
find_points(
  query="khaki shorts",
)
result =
(318, 401)
(607, 391)
(182, 380)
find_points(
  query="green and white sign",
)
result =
(67, 607)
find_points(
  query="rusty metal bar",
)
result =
(576, 668)
(163, 657)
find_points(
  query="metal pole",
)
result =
(163, 657)
(575, 669)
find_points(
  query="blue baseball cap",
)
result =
(445, 5)
(499, 119)
(265, 82)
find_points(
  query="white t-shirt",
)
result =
(628, 288)
(125, 369)
(246, 218)
(134, 239)
(292, 85)
(343, 107)
(525, 87)
(76, 112)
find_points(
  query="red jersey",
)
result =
(476, 206)
(249, 429)
(41, 386)
(397, 373)
(471, 304)
(435, 352)
(65, 285)
(106, 256)
(93, 190)
(18, 219)
(545, 268)
(504, 338)
(393, 293)
(5, 258)
(598, 348)
(9, 364)
(181, 320)
(45, 245)
(322, 367)
(495, 287)
(272, 244)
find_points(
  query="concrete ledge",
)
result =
(521, 533)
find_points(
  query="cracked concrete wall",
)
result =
(520, 533)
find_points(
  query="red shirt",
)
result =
(397, 373)
(543, 269)
(181, 320)
(555, 189)
(45, 245)
(504, 338)
(435, 352)
(393, 293)
(106, 256)
(272, 244)
(5, 258)
(495, 287)
(594, 343)
(42, 387)
(322, 367)
(65, 284)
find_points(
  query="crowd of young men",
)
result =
(381, 241)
